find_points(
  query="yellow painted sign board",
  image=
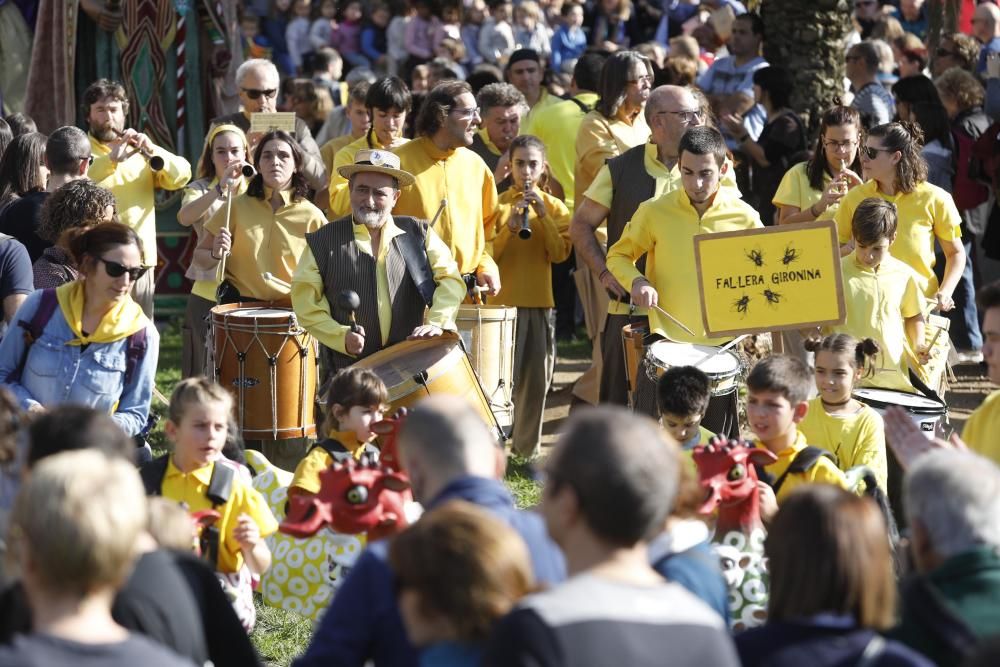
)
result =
(770, 279)
(277, 120)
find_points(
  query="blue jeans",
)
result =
(964, 316)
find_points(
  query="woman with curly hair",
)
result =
(70, 210)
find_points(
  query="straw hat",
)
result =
(379, 162)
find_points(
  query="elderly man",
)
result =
(952, 500)
(501, 106)
(526, 72)
(640, 174)
(453, 187)
(119, 167)
(258, 82)
(397, 266)
(986, 28)
(871, 99)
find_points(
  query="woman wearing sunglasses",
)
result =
(94, 346)
(895, 170)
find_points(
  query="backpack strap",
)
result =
(135, 349)
(33, 328)
(152, 475)
(802, 463)
(585, 108)
(220, 486)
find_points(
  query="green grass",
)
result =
(168, 374)
(280, 636)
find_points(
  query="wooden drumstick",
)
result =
(674, 320)
(444, 202)
(269, 277)
(229, 209)
(722, 349)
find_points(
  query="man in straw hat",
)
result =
(397, 265)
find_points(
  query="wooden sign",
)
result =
(278, 120)
(770, 279)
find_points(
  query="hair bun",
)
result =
(812, 345)
(914, 130)
(869, 347)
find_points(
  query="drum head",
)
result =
(260, 312)
(399, 363)
(883, 398)
(668, 354)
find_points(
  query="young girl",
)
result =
(321, 30)
(355, 401)
(849, 429)
(527, 265)
(374, 41)
(297, 32)
(346, 36)
(199, 417)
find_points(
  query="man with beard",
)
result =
(397, 265)
(501, 106)
(453, 187)
(119, 167)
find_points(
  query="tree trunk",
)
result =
(807, 38)
(942, 16)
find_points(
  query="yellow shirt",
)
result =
(133, 184)
(462, 180)
(266, 241)
(329, 150)
(664, 230)
(307, 472)
(204, 287)
(526, 264)
(877, 303)
(795, 190)
(823, 472)
(485, 136)
(340, 197)
(600, 138)
(312, 308)
(982, 431)
(924, 214)
(557, 125)
(190, 489)
(545, 100)
(857, 439)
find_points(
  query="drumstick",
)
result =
(229, 208)
(444, 202)
(673, 319)
(722, 349)
(269, 277)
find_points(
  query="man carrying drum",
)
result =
(663, 229)
(397, 265)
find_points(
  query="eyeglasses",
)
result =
(945, 53)
(116, 270)
(466, 114)
(88, 158)
(871, 152)
(690, 116)
(254, 93)
(645, 78)
(839, 144)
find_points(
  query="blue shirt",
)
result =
(56, 373)
(567, 45)
(16, 274)
(724, 77)
(992, 46)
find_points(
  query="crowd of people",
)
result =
(557, 159)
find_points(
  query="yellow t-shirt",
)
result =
(462, 180)
(190, 489)
(823, 472)
(795, 190)
(556, 126)
(318, 459)
(599, 139)
(526, 264)
(545, 101)
(329, 150)
(340, 198)
(664, 229)
(266, 241)
(924, 214)
(877, 304)
(982, 431)
(857, 439)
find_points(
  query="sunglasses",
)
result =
(254, 93)
(116, 270)
(872, 152)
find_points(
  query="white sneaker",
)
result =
(970, 356)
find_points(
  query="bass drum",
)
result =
(414, 369)
(488, 335)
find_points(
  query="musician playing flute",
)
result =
(121, 167)
(406, 279)
(454, 188)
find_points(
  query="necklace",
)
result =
(835, 405)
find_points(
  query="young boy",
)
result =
(883, 297)
(777, 400)
(74, 527)
(682, 396)
(355, 402)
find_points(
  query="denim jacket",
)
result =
(56, 373)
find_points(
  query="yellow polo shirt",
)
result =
(664, 229)
(924, 214)
(823, 472)
(795, 190)
(557, 125)
(312, 308)
(190, 489)
(600, 138)
(329, 150)
(526, 264)
(462, 180)
(545, 101)
(877, 303)
(857, 439)
(134, 185)
(307, 472)
(982, 431)
(340, 197)
(266, 241)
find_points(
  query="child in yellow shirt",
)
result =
(525, 261)
(852, 431)
(777, 401)
(355, 401)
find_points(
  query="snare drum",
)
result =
(488, 335)
(926, 412)
(414, 369)
(268, 363)
(722, 369)
(633, 336)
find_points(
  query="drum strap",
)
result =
(802, 463)
(412, 247)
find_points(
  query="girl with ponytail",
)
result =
(836, 421)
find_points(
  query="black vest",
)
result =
(343, 266)
(491, 159)
(631, 185)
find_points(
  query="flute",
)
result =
(155, 161)
(525, 231)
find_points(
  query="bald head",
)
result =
(442, 439)
(670, 112)
(986, 22)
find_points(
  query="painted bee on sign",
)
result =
(756, 256)
(791, 255)
(773, 298)
(741, 305)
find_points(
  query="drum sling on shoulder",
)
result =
(220, 488)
